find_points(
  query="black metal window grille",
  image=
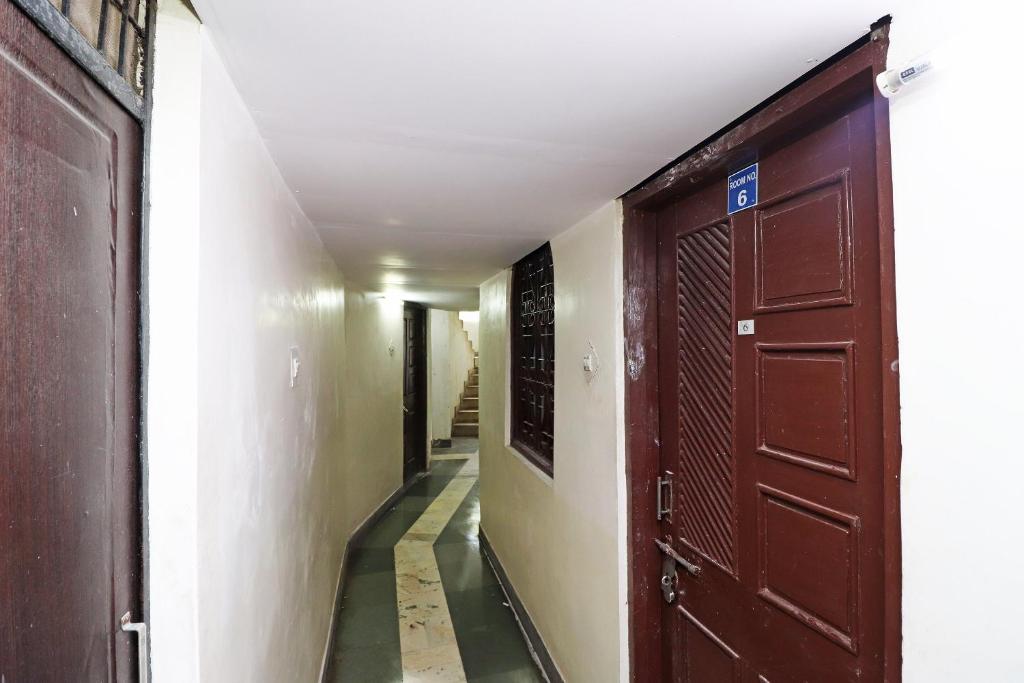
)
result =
(117, 30)
(533, 358)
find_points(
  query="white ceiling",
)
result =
(434, 143)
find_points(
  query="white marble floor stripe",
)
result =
(430, 651)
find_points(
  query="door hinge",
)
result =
(140, 629)
(664, 483)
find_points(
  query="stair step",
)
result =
(470, 403)
(461, 429)
(472, 392)
(468, 417)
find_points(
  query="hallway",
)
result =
(618, 342)
(462, 630)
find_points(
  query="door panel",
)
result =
(802, 243)
(70, 173)
(706, 467)
(805, 413)
(774, 440)
(705, 657)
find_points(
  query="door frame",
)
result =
(421, 437)
(848, 73)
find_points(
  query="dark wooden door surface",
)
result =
(414, 393)
(774, 439)
(70, 164)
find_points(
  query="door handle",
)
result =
(406, 410)
(662, 509)
(140, 629)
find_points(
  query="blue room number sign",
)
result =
(743, 189)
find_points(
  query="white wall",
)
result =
(562, 540)
(270, 533)
(254, 487)
(438, 375)
(449, 360)
(171, 381)
(956, 164)
(372, 392)
(471, 322)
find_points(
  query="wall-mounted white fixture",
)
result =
(391, 347)
(591, 363)
(892, 81)
(293, 366)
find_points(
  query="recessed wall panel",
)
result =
(805, 412)
(809, 564)
(803, 249)
(704, 656)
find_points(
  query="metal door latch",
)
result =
(139, 628)
(670, 553)
(663, 483)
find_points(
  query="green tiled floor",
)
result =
(460, 445)
(366, 644)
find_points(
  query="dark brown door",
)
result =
(414, 398)
(773, 439)
(70, 163)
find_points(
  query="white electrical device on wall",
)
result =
(293, 366)
(891, 81)
(591, 363)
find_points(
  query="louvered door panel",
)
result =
(706, 464)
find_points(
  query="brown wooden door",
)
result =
(414, 395)
(774, 439)
(70, 163)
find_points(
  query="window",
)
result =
(533, 358)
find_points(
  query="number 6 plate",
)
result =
(743, 189)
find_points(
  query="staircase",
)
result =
(467, 415)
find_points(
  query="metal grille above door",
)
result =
(110, 40)
(116, 29)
